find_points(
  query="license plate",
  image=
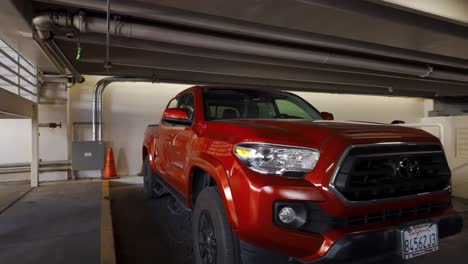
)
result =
(419, 240)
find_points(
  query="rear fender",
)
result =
(215, 168)
(150, 151)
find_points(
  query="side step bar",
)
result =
(177, 204)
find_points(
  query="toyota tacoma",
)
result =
(269, 179)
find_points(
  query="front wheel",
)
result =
(214, 241)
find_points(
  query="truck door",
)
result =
(166, 133)
(176, 142)
(180, 143)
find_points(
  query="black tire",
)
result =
(150, 182)
(214, 241)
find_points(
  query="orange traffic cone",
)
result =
(109, 169)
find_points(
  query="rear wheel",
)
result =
(214, 241)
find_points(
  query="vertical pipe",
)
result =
(94, 111)
(35, 148)
(107, 66)
(99, 102)
(98, 92)
(96, 121)
(69, 134)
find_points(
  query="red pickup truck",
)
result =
(269, 179)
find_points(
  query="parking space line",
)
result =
(107, 234)
(2, 210)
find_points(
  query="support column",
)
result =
(35, 148)
(71, 173)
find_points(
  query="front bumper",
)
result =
(255, 196)
(362, 247)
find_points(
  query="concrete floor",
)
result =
(146, 232)
(60, 223)
(54, 223)
(9, 192)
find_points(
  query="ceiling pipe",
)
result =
(139, 45)
(43, 26)
(160, 33)
(175, 16)
(98, 92)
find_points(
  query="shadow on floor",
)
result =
(54, 223)
(146, 232)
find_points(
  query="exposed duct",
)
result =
(175, 16)
(48, 45)
(98, 92)
(138, 30)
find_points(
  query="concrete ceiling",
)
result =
(415, 35)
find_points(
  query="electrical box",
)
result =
(88, 155)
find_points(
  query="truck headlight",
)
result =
(276, 159)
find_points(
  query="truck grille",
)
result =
(373, 172)
(397, 214)
(319, 221)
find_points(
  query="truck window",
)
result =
(287, 108)
(254, 104)
(187, 101)
(173, 103)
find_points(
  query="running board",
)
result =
(175, 208)
(179, 201)
(160, 190)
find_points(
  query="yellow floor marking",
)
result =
(107, 234)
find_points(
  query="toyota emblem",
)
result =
(408, 168)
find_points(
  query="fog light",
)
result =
(287, 215)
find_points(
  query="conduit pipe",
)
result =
(153, 32)
(98, 92)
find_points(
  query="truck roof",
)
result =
(234, 87)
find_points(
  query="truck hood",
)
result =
(314, 132)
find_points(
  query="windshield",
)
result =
(254, 104)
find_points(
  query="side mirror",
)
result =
(327, 116)
(178, 116)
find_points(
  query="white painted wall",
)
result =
(129, 107)
(367, 108)
(53, 144)
(15, 141)
(455, 146)
(15, 146)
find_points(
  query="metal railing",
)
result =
(17, 75)
(58, 165)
